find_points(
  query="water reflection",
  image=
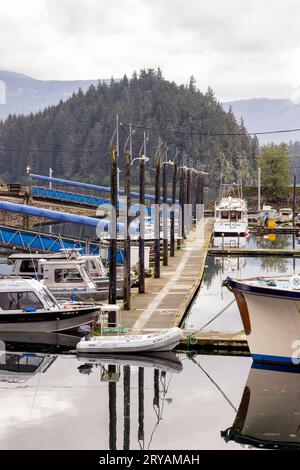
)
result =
(269, 412)
(214, 308)
(110, 368)
(20, 367)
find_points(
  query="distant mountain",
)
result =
(20, 94)
(266, 114)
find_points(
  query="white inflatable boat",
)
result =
(163, 340)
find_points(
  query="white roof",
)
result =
(11, 284)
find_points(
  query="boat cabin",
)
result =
(231, 216)
(25, 295)
(26, 264)
(66, 274)
(285, 214)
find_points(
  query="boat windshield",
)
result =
(19, 301)
(47, 298)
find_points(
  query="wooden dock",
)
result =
(214, 341)
(167, 299)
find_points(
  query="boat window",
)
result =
(29, 363)
(19, 301)
(48, 299)
(224, 215)
(67, 275)
(28, 266)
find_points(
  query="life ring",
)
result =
(295, 282)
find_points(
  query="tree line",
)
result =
(73, 137)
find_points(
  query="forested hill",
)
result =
(73, 137)
(20, 94)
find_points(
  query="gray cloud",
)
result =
(240, 48)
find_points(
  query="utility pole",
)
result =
(172, 238)
(113, 235)
(157, 216)
(142, 221)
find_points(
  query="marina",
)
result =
(149, 232)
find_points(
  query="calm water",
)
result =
(213, 299)
(51, 400)
(72, 405)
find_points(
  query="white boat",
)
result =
(269, 308)
(27, 305)
(163, 340)
(31, 264)
(268, 415)
(231, 215)
(285, 215)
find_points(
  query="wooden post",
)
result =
(142, 227)
(181, 203)
(141, 431)
(165, 216)
(126, 383)
(157, 220)
(172, 237)
(112, 405)
(113, 236)
(127, 241)
(294, 199)
(188, 198)
(87, 246)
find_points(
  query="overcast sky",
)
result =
(242, 48)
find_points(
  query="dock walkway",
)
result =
(167, 299)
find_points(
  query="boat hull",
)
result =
(141, 343)
(271, 319)
(46, 322)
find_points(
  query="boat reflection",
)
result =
(112, 367)
(269, 412)
(20, 367)
(230, 242)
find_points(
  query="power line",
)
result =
(207, 134)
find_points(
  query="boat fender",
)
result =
(295, 282)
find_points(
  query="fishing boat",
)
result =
(285, 215)
(268, 415)
(269, 308)
(163, 340)
(231, 215)
(29, 264)
(27, 305)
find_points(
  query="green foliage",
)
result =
(73, 137)
(275, 172)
